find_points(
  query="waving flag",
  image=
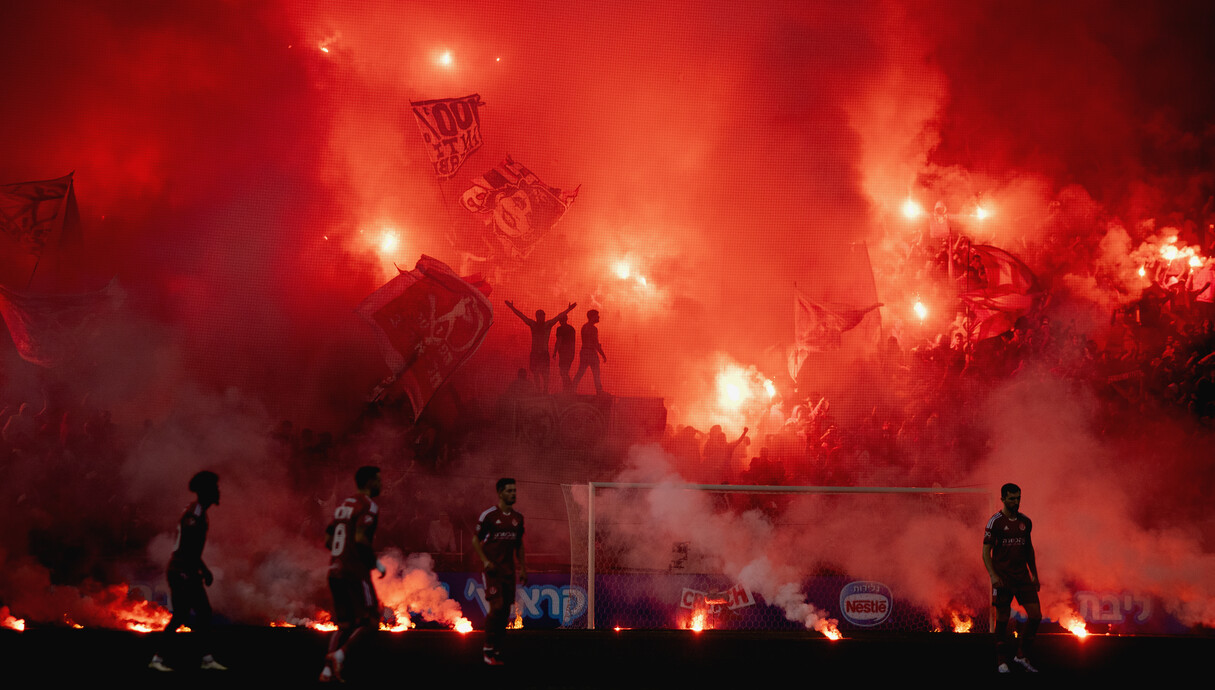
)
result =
(51, 329)
(818, 325)
(1002, 268)
(1008, 295)
(30, 212)
(428, 322)
(518, 209)
(451, 128)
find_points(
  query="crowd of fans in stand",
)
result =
(1156, 359)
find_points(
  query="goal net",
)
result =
(653, 555)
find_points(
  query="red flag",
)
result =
(518, 209)
(1009, 293)
(428, 322)
(817, 326)
(30, 212)
(1002, 268)
(996, 310)
(51, 329)
(451, 128)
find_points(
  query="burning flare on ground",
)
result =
(698, 620)
(410, 588)
(7, 620)
(829, 629)
(1074, 624)
(516, 622)
(960, 622)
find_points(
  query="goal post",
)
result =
(673, 555)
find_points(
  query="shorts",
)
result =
(354, 600)
(1025, 593)
(187, 593)
(499, 591)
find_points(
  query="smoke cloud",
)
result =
(238, 166)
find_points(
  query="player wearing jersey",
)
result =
(498, 542)
(356, 610)
(1008, 553)
(187, 574)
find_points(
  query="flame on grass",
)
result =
(8, 620)
(1074, 624)
(410, 588)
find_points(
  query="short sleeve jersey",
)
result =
(501, 536)
(1010, 543)
(191, 538)
(345, 559)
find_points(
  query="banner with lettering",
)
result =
(451, 129)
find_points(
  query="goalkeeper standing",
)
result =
(498, 542)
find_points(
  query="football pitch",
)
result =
(582, 658)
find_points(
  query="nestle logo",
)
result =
(866, 603)
(854, 605)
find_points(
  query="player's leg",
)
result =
(180, 600)
(495, 620)
(201, 604)
(1001, 601)
(344, 616)
(364, 610)
(1028, 598)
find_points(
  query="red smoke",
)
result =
(237, 168)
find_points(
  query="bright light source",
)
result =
(446, 59)
(920, 310)
(389, 241)
(912, 210)
(623, 270)
(982, 213)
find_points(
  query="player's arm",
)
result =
(521, 561)
(1031, 560)
(991, 569)
(486, 565)
(366, 552)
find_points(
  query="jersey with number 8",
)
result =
(356, 512)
